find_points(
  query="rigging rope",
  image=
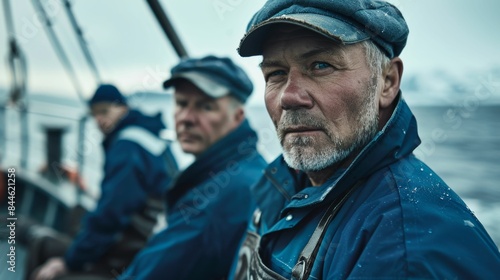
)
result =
(19, 73)
(81, 41)
(58, 48)
(16, 60)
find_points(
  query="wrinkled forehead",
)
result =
(292, 36)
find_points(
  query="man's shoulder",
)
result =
(138, 136)
(410, 214)
(237, 175)
(423, 201)
(411, 192)
(251, 164)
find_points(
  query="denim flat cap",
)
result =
(109, 94)
(344, 21)
(216, 77)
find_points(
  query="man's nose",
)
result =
(186, 115)
(295, 94)
(99, 119)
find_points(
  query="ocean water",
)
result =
(461, 144)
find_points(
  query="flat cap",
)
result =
(215, 76)
(344, 21)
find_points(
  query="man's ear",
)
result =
(239, 115)
(392, 79)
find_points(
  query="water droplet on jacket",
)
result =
(468, 223)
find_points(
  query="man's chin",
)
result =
(191, 148)
(105, 131)
(309, 160)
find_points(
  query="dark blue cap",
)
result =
(216, 77)
(344, 21)
(107, 93)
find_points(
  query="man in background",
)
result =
(138, 168)
(209, 204)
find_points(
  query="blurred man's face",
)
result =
(107, 115)
(200, 120)
(320, 95)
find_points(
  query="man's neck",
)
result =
(318, 178)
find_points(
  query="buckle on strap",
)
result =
(299, 270)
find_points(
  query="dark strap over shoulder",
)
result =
(302, 269)
(134, 237)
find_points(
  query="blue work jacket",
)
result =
(401, 221)
(135, 168)
(208, 209)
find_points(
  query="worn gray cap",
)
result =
(215, 76)
(347, 22)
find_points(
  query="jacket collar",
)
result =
(153, 124)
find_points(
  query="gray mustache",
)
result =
(298, 118)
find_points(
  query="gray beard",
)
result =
(305, 154)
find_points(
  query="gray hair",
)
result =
(234, 103)
(375, 58)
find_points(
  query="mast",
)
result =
(81, 40)
(167, 27)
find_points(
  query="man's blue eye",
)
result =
(181, 103)
(276, 73)
(207, 107)
(320, 65)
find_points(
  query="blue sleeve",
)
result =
(122, 194)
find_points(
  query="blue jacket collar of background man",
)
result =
(397, 139)
(240, 143)
(153, 124)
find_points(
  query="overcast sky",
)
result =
(131, 51)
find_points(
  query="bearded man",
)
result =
(348, 199)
